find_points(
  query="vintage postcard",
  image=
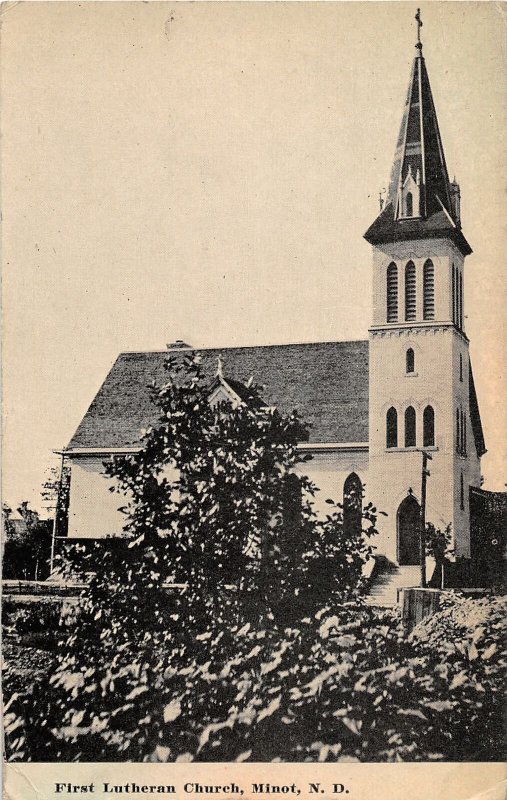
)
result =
(254, 443)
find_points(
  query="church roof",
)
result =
(325, 382)
(419, 152)
(475, 417)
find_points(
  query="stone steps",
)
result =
(387, 580)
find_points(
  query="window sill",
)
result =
(430, 449)
(411, 374)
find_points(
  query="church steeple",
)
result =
(421, 202)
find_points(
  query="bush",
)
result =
(345, 684)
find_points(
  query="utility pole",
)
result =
(424, 475)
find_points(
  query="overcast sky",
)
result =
(206, 172)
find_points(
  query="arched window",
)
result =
(392, 428)
(392, 293)
(410, 427)
(461, 367)
(410, 360)
(410, 308)
(410, 205)
(453, 293)
(461, 492)
(463, 433)
(428, 427)
(458, 431)
(428, 290)
(352, 505)
(460, 315)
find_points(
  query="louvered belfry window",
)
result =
(392, 293)
(429, 290)
(410, 307)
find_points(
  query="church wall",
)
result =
(395, 472)
(93, 509)
(329, 470)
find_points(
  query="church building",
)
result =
(374, 407)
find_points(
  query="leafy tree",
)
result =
(216, 508)
(28, 544)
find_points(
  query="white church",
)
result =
(373, 406)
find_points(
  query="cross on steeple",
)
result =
(419, 26)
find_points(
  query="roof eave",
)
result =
(395, 233)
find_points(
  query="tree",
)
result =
(214, 507)
(28, 544)
(215, 489)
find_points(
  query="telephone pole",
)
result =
(424, 475)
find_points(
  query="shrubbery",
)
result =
(265, 651)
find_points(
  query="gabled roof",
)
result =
(325, 382)
(419, 151)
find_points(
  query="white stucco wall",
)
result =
(93, 509)
(435, 381)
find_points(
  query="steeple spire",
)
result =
(421, 202)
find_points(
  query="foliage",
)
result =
(55, 495)
(259, 648)
(27, 546)
(215, 491)
(344, 684)
(438, 542)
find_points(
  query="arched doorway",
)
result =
(408, 522)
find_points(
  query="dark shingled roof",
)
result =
(419, 150)
(325, 382)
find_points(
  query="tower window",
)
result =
(392, 428)
(409, 361)
(461, 492)
(410, 427)
(410, 307)
(461, 367)
(428, 427)
(428, 290)
(392, 293)
(460, 314)
(454, 294)
(409, 205)
(458, 431)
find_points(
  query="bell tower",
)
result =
(421, 394)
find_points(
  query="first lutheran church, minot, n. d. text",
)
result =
(374, 406)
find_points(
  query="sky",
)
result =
(206, 171)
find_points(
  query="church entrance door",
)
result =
(408, 522)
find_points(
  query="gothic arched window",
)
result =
(461, 368)
(460, 313)
(392, 428)
(458, 431)
(461, 492)
(409, 205)
(409, 361)
(410, 306)
(392, 293)
(428, 290)
(352, 505)
(454, 292)
(410, 427)
(428, 427)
